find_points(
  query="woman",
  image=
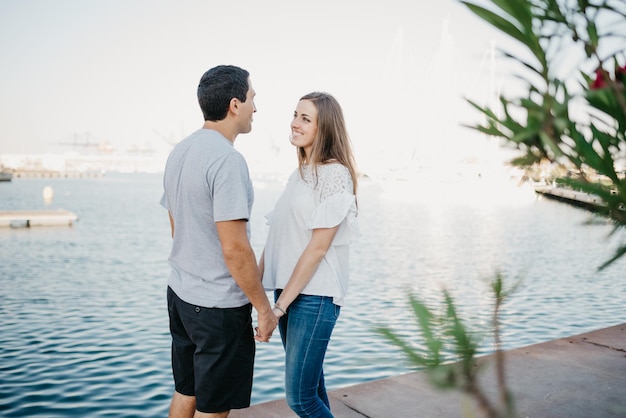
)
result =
(305, 260)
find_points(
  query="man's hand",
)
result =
(267, 324)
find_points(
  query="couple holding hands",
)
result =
(215, 279)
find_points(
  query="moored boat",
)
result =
(5, 174)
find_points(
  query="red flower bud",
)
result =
(600, 81)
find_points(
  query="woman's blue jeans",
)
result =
(305, 332)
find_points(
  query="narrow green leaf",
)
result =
(425, 318)
(548, 143)
(519, 9)
(618, 254)
(525, 160)
(500, 23)
(526, 135)
(592, 31)
(408, 350)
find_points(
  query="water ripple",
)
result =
(84, 320)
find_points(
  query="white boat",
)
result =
(6, 175)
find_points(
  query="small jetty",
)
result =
(581, 199)
(30, 218)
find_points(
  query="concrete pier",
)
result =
(583, 200)
(583, 376)
(29, 218)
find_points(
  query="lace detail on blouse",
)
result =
(331, 180)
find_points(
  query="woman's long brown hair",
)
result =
(332, 142)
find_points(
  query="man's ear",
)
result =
(234, 105)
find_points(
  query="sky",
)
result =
(124, 73)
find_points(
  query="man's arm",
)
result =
(242, 264)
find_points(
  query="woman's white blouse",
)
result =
(307, 203)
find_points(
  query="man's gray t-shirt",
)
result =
(206, 181)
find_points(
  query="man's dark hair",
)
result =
(218, 86)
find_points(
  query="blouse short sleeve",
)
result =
(337, 204)
(334, 179)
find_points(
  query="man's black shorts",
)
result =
(212, 354)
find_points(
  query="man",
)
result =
(215, 277)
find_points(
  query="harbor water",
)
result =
(83, 319)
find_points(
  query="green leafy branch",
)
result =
(540, 124)
(447, 331)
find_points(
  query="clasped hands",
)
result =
(265, 329)
(267, 323)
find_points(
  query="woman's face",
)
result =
(304, 126)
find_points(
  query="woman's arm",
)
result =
(306, 266)
(171, 222)
(262, 264)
